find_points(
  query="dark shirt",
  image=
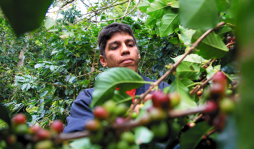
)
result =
(81, 112)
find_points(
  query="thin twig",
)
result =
(126, 10)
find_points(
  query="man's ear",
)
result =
(138, 55)
(103, 61)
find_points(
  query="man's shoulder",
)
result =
(85, 96)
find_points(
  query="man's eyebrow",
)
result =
(130, 40)
(111, 43)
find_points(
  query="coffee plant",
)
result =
(202, 48)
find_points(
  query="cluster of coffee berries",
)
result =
(35, 136)
(230, 39)
(101, 131)
(218, 104)
(165, 101)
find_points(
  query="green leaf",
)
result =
(120, 96)
(188, 70)
(211, 47)
(50, 22)
(142, 135)
(150, 21)
(169, 23)
(142, 6)
(157, 9)
(223, 30)
(106, 83)
(25, 15)
(222, 5)
(172, 3)
(193, 58)
(186, 35)
(198, 14)
(191, 138)
(4, 115)
(182, 90)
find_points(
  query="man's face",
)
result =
(121, 51)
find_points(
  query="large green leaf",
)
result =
(157, 9)
(120, 96)
(211, 47)
(143, 5)
(193, 58)
(106, 83)
(188, 70)
(191, 138)
(222, 5)
(169, 23)
(186, 35)
(182, 90)
(25, 15)
(198, 14)
(150, 21)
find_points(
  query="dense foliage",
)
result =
(61, 59)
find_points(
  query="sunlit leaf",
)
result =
(106, 83)
(169, 23)
(157, 9)
(211, 47)
(198, 14)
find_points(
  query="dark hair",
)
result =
(107, 32)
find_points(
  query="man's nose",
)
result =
(125, 50)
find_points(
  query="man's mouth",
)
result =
(127, 60)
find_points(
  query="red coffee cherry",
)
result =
(218, 89)
(19, 119)
(57, 126)
(220, 77)
(100, 112)
(93, 125)
(34, 129)
(199, 93)
(160, 100)
(234, 38)
(211, 106)
(43, 134)
(229, 38)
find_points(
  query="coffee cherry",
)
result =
(120, 109)
(234, 38)
(109, 106)
(127, 136)
(19, 119)
(122, 145)
(46, 144)
(160, 100)
(219, 122)
(57, 126)
(145, 119)
(160, 130)
(217, 89)
(11, 139)
(43, 134)
(227, 105)
(34, 129)
(157, 114)
(134, 115)
(211, 106)
(174, 99)
(192, 124)
(93, 125)
(21, 129)
(199, 93)
(229, 38)
(100, 112)
(220, 77)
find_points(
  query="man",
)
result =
(118, 48)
